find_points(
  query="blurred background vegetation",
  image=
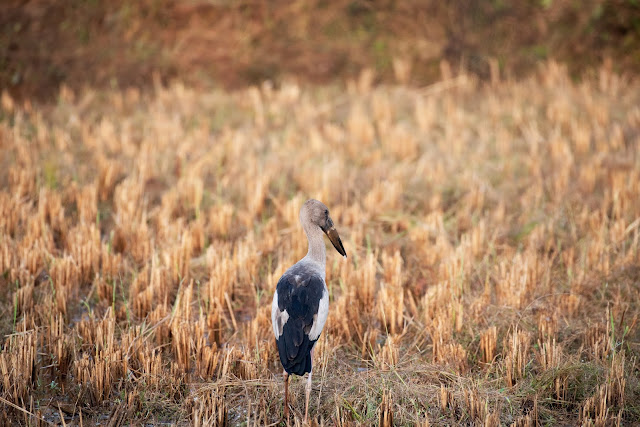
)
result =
(232, 43)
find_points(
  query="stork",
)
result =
(301, 301)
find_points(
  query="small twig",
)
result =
(64, 424)
(233, 317)
(23, 410)
(15, 334)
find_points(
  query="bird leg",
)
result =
(286, 396)
(307, 393)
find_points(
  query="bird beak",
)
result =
(333, 235)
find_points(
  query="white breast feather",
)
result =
(278, 318)
(320, 318)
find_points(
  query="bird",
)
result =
(301, 300)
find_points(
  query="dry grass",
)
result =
(492, 231)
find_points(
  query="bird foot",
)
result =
(285, 416)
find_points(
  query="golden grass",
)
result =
(492, 232)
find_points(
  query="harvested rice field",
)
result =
(492, 278)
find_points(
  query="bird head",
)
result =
(316, 213)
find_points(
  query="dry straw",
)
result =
(492, 232)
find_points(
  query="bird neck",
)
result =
(317, 252)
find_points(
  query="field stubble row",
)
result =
(492, 233)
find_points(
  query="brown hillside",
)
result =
(44, 43)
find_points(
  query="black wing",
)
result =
(300, 296)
